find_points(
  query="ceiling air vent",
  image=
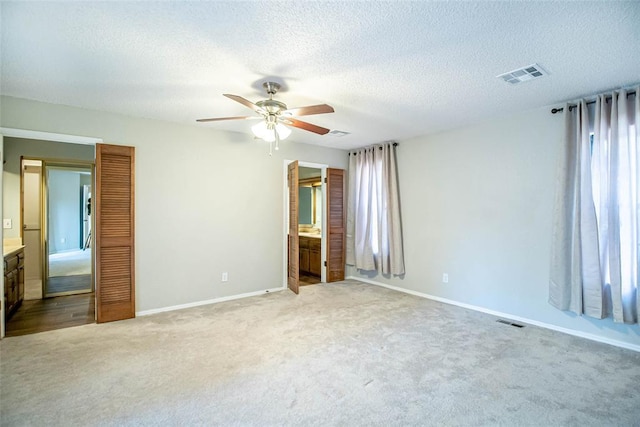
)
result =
(523, 74)
(338, 133)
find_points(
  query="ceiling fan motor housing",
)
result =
(271, 87)
(272, 106)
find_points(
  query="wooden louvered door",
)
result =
(114, 233)
(293, 275)
(336, 220)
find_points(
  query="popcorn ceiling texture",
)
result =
(392, 70)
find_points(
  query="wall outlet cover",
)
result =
(6, 223)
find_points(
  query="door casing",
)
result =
(44, 224)
(323, 247)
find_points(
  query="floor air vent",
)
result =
(506, 322)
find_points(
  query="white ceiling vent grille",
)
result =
(338, 133)
(523, 74)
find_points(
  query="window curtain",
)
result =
(594, 254)
(374, 230)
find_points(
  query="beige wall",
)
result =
(476, 204)
(15, 148)
(207, 201)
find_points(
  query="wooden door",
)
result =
(114, 232)
(336, 223)
(293, 275)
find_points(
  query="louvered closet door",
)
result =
(114, 233)
(336, 220)
(293, 274)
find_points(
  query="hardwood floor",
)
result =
(78, 282)
(52, 313)
(306, 279)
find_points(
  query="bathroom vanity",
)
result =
(310, 254)
(13, 278)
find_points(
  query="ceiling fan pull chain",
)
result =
(270, 148)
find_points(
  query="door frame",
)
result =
(285, 218)
(44, 219)
(43, 136)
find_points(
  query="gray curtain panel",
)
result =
(594, 254)
(374, 229)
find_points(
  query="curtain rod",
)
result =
(395, 144)
(571, 107)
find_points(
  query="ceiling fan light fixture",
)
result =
(283, 131)
(265, 131)
(276, 117)
(260, 129)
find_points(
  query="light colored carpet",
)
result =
(72, 263)
(337, 354)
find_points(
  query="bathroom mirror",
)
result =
(310, 198)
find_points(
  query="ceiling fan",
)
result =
(275, 115)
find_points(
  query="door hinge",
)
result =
(325, 179)
(325, 263)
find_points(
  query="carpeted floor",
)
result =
(70, 263)
(337, 354)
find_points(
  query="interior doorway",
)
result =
(31, 171)
(310, 224)
(68, 260)
(56, 225)
(333, 220)
(111, 237)
(311, 230)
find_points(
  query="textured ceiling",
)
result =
(392, 70)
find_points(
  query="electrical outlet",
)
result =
(225, 277)
(6, 223)
(445, 278)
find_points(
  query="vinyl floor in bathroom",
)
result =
(51, 313)
(308, 280)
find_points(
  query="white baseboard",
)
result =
(573, 332)
(206, 302)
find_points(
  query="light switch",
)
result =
(6, 223)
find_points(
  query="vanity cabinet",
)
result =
(310, 255)
(13, 282)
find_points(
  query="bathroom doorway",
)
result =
(310, 202)
(56, 228)
(55, 213)
(332, 220)
(68, 266)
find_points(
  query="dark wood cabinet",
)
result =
(315, 260)
(304, 260)
(13, 282)
(310, 255)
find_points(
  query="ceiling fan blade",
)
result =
(309, 110)
(229, 118)
(304, 125)
(245, 102)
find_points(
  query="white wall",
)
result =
(476, 204)
(207, 201)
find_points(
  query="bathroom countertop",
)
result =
(10, 249)
(312, 235)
